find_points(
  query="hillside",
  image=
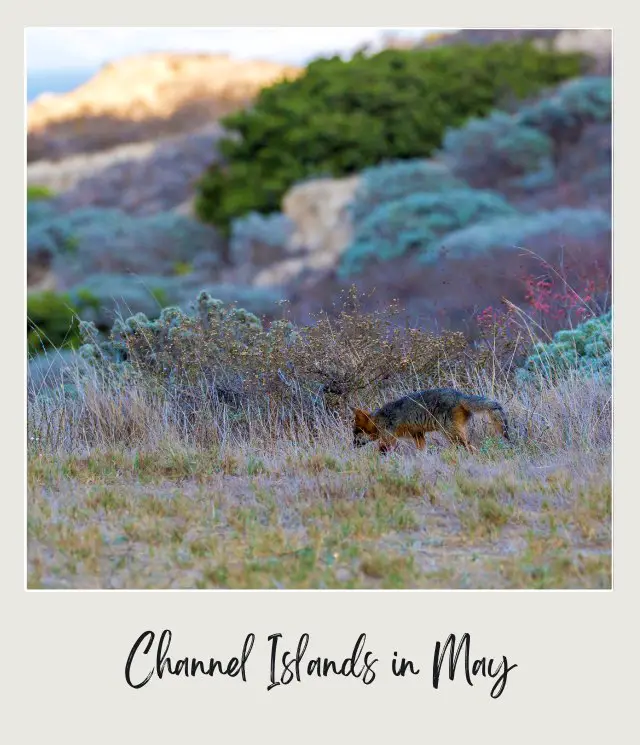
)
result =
(141, 98)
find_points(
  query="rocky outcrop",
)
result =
(596, 43)
(320, 211)
(142, 98)
(40, 275)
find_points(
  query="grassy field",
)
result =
(148, 505)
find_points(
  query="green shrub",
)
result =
(53, 318)
(341, 117)
(102, 297)
(36, 193)
(51, 321)
(182, 268)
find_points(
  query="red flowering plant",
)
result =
(551, 303)
(554, 303)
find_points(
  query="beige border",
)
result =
(67, 651)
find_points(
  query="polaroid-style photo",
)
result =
(319, 308)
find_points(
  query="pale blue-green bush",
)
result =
(257, 238)
(204, 337)
(574, 104)
(496, 148)
(125, 295)
(103, 297)
(53, 369)
(39, 211)
(260, 301)
(532, 231)
(585, 349)
(530, 183)
(414, 223)
(107, 240)
(41, 244)
(48, 232)
(392, 181)
(598, 179)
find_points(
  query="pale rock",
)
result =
(324, 229)
(595, 42)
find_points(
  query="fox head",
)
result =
(364, 428)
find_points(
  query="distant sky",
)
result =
(68, 48)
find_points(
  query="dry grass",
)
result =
(125, 490)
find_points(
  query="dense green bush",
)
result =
(36, 193)
(341, 117)
(585, 349)
(535, 181)
(52, 318)
(51, 321)
(122, 294)
(415, 222)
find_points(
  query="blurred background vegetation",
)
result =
(450, 175)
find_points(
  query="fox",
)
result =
(443, 410)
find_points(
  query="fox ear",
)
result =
(363, 419)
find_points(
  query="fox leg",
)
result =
(419, 440)
(461, 438)
(459, 434)
(469, 447)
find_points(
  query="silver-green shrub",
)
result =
(585, 349)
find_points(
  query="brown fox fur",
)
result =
(436, 410)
